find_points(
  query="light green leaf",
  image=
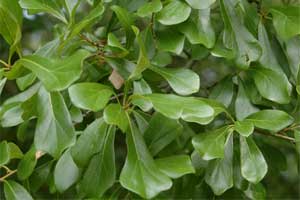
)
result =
(273, 120)
(187, 108)
(140, 173)
(142, 87)
(245, 128)
(174, 12)
(56, 74)
(170, 41)
(14, 151)
(114, 114)
(200, 4)
(148, 8)
(4, 153)
(286, 20)
(54, 130)
(211, 145)
(243, 105)
(15, 191)
(101, 170)
(51, 7)
(271, 84)
(27, 164)
(253, 164)
(113, 41)
(2, 84)
(25, 81)
(219, 174)
(161, 131)
(90, 96)
(175, 166)
(66, 172)
(183, 81)
(88, 143)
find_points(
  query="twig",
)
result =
(278, 135)
(2, 179)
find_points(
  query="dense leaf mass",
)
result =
(152, 99)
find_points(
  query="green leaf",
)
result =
(183, 81)
(2, 84)
(219, 174)
(90, 96)
(253, 164)
(243, 105)
(56, 74)
(200, 4)
(14, 151)
(142, 87)
(113, 41)
(171, 41)
(114, 114)
(101, 170)
(286, 20)
(187, 108)
(245, 128)
(237, 37)
(4, 153)
(256, 191)
(201, 31)
(27, 164)
(91, 138)
(223, 92)
(271, 84)
(161, 131)
(66, 172)
(40, 176)
(93, 15)
(273, 120)
(293, 56)
(174, 12)
(54, 130)
(211, 145)
(148, 8)
(15, 191)
(25, 81)
(175, 166)
(140, 173)
(36, 6)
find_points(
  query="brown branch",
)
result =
(2, 179)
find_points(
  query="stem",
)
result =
(277, 135)
(4, 63)
(2, 179)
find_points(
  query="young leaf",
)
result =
(273, 120)
(148, 8)
(174, 12)
(211, 145)
(253, 164)
(101, 170)
(66, 172)
(219, 173)
(245, 128)
(114, 114)
(175, 166)
(4, 153)
(90, 96)
(56, 74)
(183, 81)
(15, 191)
(140, 173)
(54, 130)
(161, 131)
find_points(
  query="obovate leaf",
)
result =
(54, 130)
(171, 41)
(140, 173)
(66, 172)
(100, 173)
(253, 164)
(114, 114)
(36, 6)
(15, 191)
(211, 145)
(183, 81)
(286, 20)
(219, 174)
(273, 120)
(175, 166)
(174, 12)
(90, 96)
(271, 84)
(150, 7)
(187, 108)
(161, 131)
(56, 74)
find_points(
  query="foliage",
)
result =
(128, 99)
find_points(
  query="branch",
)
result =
(278, 135)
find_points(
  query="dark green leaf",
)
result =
(27, 164)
